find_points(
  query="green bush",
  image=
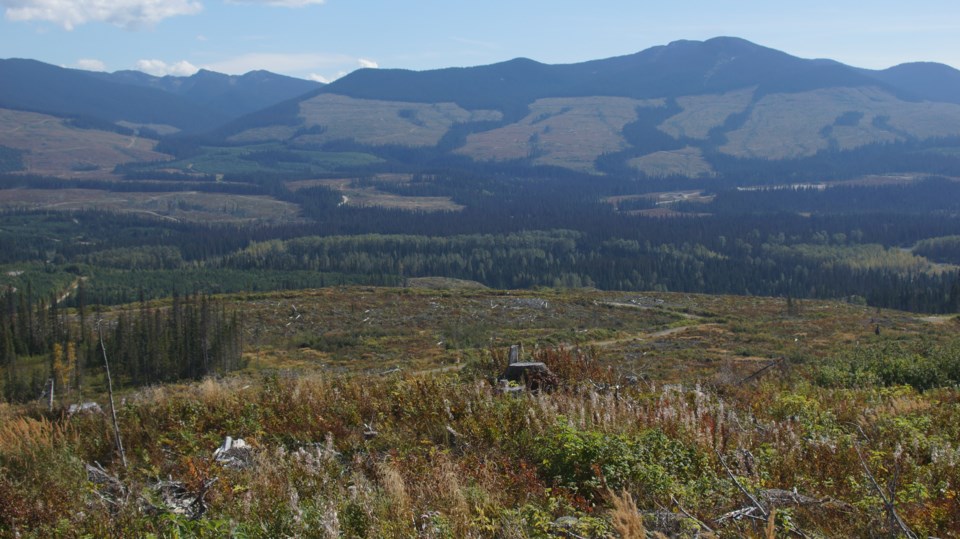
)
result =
(589, 461)
(892, 365)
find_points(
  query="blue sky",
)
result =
(325, 39)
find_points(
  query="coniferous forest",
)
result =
(190, 338)
(887, 245)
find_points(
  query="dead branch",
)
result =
(110, 490)
(756, 503)
(762, 370)
(688, 515)
(889, 499)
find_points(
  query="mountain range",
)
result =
(195, 103)
(673, 110)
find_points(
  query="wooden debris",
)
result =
(515, 351)
(110, 490)
(737, 514)
(177, 499)
(520, 375)
(84, 408)
(756, 503)
(888, 498)
(113, 408)
(672, 524)
(764, 369)
(454, 438)
(534, 375)
(236, 454)
(780, 497)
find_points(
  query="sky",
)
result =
(326, 39)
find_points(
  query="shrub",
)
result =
(589, 461)
(891, 365)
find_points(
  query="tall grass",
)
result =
(451, 456)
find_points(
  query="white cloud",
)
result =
(315, 77)
(319, 67)
(282, 63)
(160, 68)
(91, 64)
(129, 14)
(280, 3)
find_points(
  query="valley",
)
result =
(736, 272)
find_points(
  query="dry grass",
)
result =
(372, 122)
(688, 162)
(427, 329)
(57, 149)
(784, 126)
(626, 517)
(7, 412)
(371, 196)
(22, 435)
(162, 129)
(567, 132)
(664, 198)
(702, 113)
(453, 457)
(412, 479)
(395, 489)
(181, 206)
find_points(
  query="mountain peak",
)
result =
(683, 67)
(929, 81)
(718, 43)
(208, 74)
(730, 41)
(521, 61)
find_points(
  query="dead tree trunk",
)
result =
(113, 409)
